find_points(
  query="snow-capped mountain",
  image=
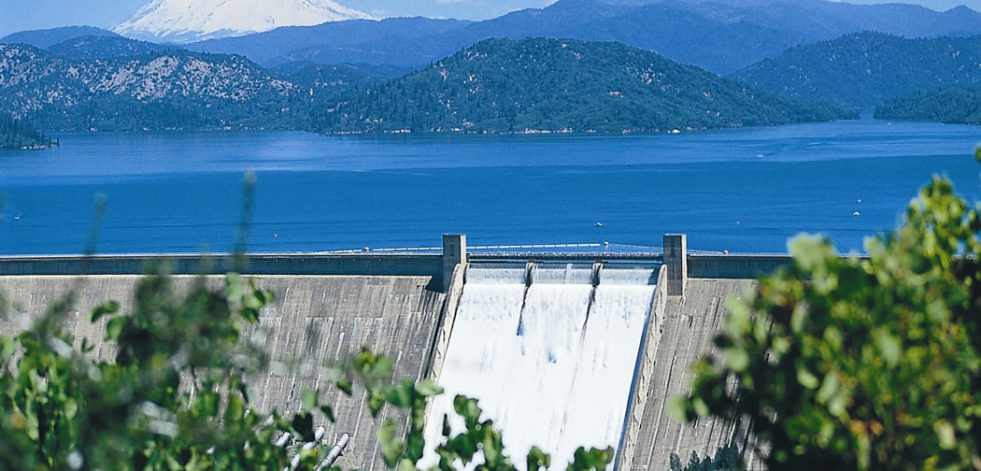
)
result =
(183, 21)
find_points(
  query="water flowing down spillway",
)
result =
(551, 363)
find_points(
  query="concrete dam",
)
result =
(561, 349)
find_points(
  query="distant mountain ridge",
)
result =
(45, 38)
(866, 69)
(106, 47)
(337, 42)
(721, 35)
(559, 85)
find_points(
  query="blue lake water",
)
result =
(743, 190)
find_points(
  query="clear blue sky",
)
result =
(19, 15)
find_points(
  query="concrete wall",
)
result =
(266, 264)
(688, 325)
(315, 322)
(644, 374)
(447, 320)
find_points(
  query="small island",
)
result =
(19, 135)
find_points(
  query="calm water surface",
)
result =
(745, 190)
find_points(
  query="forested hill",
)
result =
(866, 69)
(172, 89)
(956, 106)
(504, 86)
(16, 134)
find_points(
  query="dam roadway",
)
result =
(406, 305)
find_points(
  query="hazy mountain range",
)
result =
(722, 35)
(327, 76)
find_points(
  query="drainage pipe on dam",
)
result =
(335, 452)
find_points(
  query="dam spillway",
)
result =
(550, 351)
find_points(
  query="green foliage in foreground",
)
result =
(862, 364)
(17, 134)
(954, 106)
(176, 396)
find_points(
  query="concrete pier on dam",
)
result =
(562, 349)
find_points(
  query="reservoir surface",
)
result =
(741, 190)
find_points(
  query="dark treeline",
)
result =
(865, 70)
(954, 106)
(18, 134)
(505, 86)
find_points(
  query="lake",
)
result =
(742, 190)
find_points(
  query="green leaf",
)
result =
(110, 307)
(401, 395)
(328, 412)
(946, 435)
(391, 445)
(309, 399)
(303, 425)
(208, 401)
(7, 347)
(538, 459)
(806, 378)
(375, 403)
(235, 409)
(678, 408)
(737, 359)
(428, 388)
(114, 329)
(234, 287)
(889, 345)
(345, 385)
(810, 252)
(492, 447)
(70, 408)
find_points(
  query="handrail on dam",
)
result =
(567, 256)
(254, 264)
(437, 263)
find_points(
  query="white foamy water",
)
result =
(481, 351)
(547, 375)
(605, 371)
(496, 276)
